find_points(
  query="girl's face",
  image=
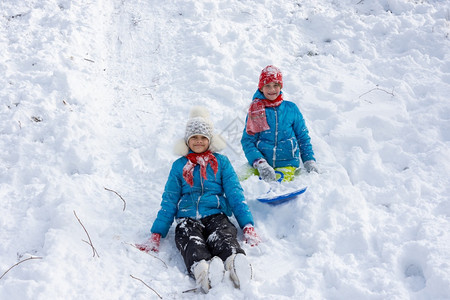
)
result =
(271, 90)
(198, 143)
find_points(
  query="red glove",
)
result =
(152, 244)
(250, 235)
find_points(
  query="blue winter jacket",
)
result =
(220, 193)
(285, 142)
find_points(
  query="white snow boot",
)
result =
(208, 274)
(200, 271)
(240, 269)
(216, 271)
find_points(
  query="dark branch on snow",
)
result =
(146, 286)
(32, 257)
(94, 251)
(124, 203)
(378, 89)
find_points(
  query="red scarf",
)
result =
(202, 159)
(257, 121)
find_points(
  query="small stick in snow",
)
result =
(149, 254)
(189, 291)
(32, 257)
(90, 241)
(124, 203)
(146, 286)
(378, 89)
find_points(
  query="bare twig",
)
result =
(124, 203)
(146, 286)
(89, 60)
(190, 290)
(32, 257)
(378, 89)
(15, 16)
(147, 112)
(36, 119)
(149, 254)
(94, 251)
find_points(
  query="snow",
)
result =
(94, 94)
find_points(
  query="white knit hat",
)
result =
(199, 124)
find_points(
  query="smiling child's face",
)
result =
(198, 143)
(271, 90)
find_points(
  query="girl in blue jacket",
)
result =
(202, 191)
(275, 137)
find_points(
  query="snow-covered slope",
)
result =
(95, 93)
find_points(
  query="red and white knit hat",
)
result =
(270, 74)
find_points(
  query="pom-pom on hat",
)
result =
(270, 74)
(199, 124)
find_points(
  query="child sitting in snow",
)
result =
(275, 135)
(201, 192)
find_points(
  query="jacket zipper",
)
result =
(198, 200)
(276, 137)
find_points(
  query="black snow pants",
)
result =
(210, 236)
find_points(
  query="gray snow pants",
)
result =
(210, 236)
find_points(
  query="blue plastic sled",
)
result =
(278, 199)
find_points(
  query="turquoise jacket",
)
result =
(220, 193)
(285, 142)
